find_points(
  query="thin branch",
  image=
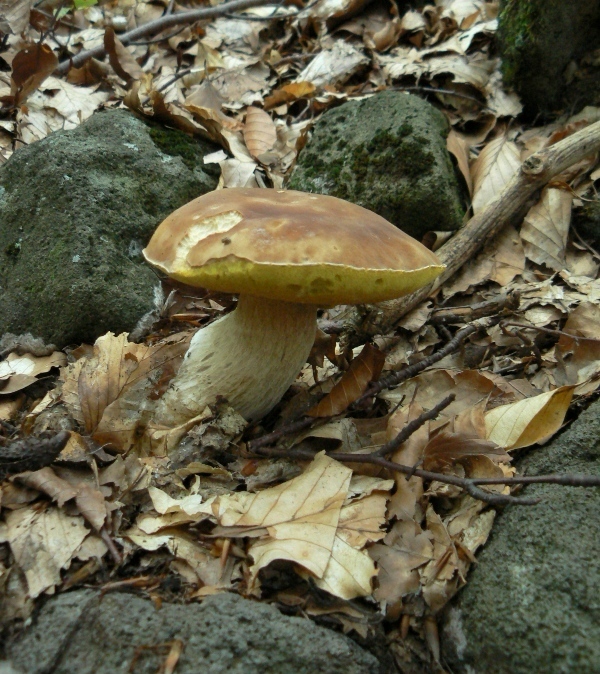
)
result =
(549, 331)
(467, 484)
(413, 426)
(412, 370)
(166, 21)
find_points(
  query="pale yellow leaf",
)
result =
(528, 421)
(496, 165)
(18, 372)
(43, 543)
(301, 516)
(546, 228)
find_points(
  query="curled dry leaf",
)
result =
(364, 369)
(546, 228)
(289, 93)
(18, 372)
(528, 421)
(459, 146)
(260, 133)
(120, 58)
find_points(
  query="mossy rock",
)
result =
(531, 604)
(537, 40)
(586, 221)
(388, 154)
(76, 209)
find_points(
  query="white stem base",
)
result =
(250, 357)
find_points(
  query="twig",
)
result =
(535, 172)
(470, 312)
(110, 544)
(166, 21)
(468, 484)
(413, 426)
(548, 331)
(254, 445)
(412, 370)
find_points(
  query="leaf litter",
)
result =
(195, 500)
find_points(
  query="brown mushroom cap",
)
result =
(290, 246)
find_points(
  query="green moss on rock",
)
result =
(386, 153)
(76, 208)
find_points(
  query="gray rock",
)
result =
(85, 633)
(75, 211)
(532, 604)
(540, 42)
(388, 154)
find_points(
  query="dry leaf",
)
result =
(260, 133)
(43, 543)
(546, 228)
(289, 93)
(120, 58)
(528, 421)
(446, 449)
(18, 372)
(30, 67)
(496, 165)
(365, 368)
(14, 15)
(459, 146)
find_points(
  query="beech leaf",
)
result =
(364, 369)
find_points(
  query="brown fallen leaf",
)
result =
(289, 93)
(30, 67)
(446, 449)
(497, 163)
(120, 58)
(43, 543)
(364, 369)
(260, 133)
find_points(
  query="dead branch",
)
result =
(166, 21)
(535, 172)
(413, 426)
(411, 371)
(468, 484)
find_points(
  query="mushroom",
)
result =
(286, 253)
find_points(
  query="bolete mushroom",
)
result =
(286, 253)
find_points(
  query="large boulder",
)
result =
(388, 154)
(88, 633)
(547, 53)
(76, 209)
(531, 605)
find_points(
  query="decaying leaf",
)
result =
(121, 59)
(30, 67)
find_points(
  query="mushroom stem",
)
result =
(250, 357)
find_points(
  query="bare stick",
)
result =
(413, 426)
(535, 172)
(166, 21)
